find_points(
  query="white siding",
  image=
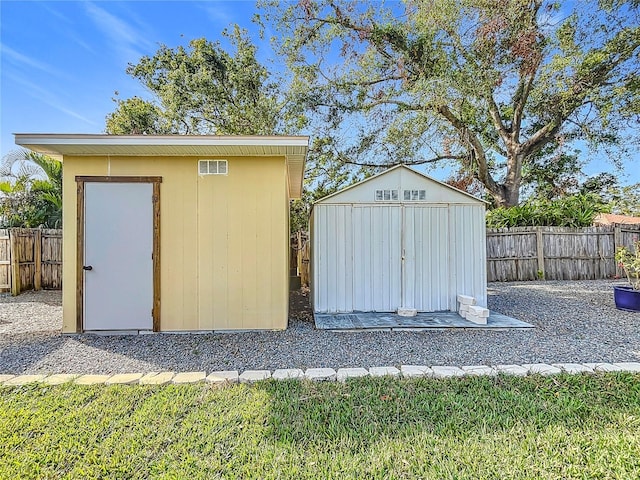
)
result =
(426, 259)
(376, 258)
(358, 246)
(332, 257)
(468, 252)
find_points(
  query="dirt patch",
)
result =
(300, 306)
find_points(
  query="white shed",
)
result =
(399, 239)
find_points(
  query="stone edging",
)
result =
(318, 374)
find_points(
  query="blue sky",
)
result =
(62, 61)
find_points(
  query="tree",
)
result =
(31, 188)
(202, 89)
(486, 84)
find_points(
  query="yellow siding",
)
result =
(224, 240)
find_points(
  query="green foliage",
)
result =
(135, 116)
(31, 191)
(202, 89)
(488, 85)
(565, 426)
(571, 211)
(629, 261)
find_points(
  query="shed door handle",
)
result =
(87, 267)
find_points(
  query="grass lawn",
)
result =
(582, 426)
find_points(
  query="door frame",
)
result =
(81, 180)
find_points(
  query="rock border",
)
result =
(228, 377)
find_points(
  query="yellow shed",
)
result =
(175, 233)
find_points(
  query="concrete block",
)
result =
(479, 311)
(223, 376)
(189, 377)
(23, 380)
(407, 312)
(516, 370)
(4, 378)
(466, 300)
(124, 379)
(541, 369)
(412, 371)
(478, 370)
(463, 309)
(91, 379)
(384, 371)
(252, 376)
(344, 374)
(446, 371)
(157, 378)
(60, 378)
(603, 367)
(573, 368)
(320, 374)
(629, 366)
(473, 318)
(288, 373)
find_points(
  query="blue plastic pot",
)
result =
(626, 298)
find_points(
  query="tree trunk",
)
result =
(507, 194)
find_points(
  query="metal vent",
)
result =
(414, 195)
(386, 195)
(212, 167)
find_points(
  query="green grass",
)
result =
(535, 427)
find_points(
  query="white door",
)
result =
(425, 269)
(118, 264)
(376, 258)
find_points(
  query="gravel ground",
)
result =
(574, 322)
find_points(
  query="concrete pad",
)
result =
(223, 376)
(91, 379)
(320, 374)
(447, 371)
(516, 370)
(252, 376)
(413, 371)
(288, 373)
(541, 369)
(4, 378)
(60, 378)
(124, 379)
(344, 374)
(156, 378)
(573, 368)
(629, 366)
(384, 372)
(603, 367)
(479, 370)
(189, 377)
(23, 380)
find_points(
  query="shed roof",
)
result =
(293, 148)
(427, 179)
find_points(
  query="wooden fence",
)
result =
(556, 253)
(299, 258)
(30, 259)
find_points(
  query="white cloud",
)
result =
(123, 38)
(18, 58)
(47, 97)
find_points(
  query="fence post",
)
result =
(540, 253)
(617, 242)
(37, 260)
(15, 262)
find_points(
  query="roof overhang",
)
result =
(293, 148)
